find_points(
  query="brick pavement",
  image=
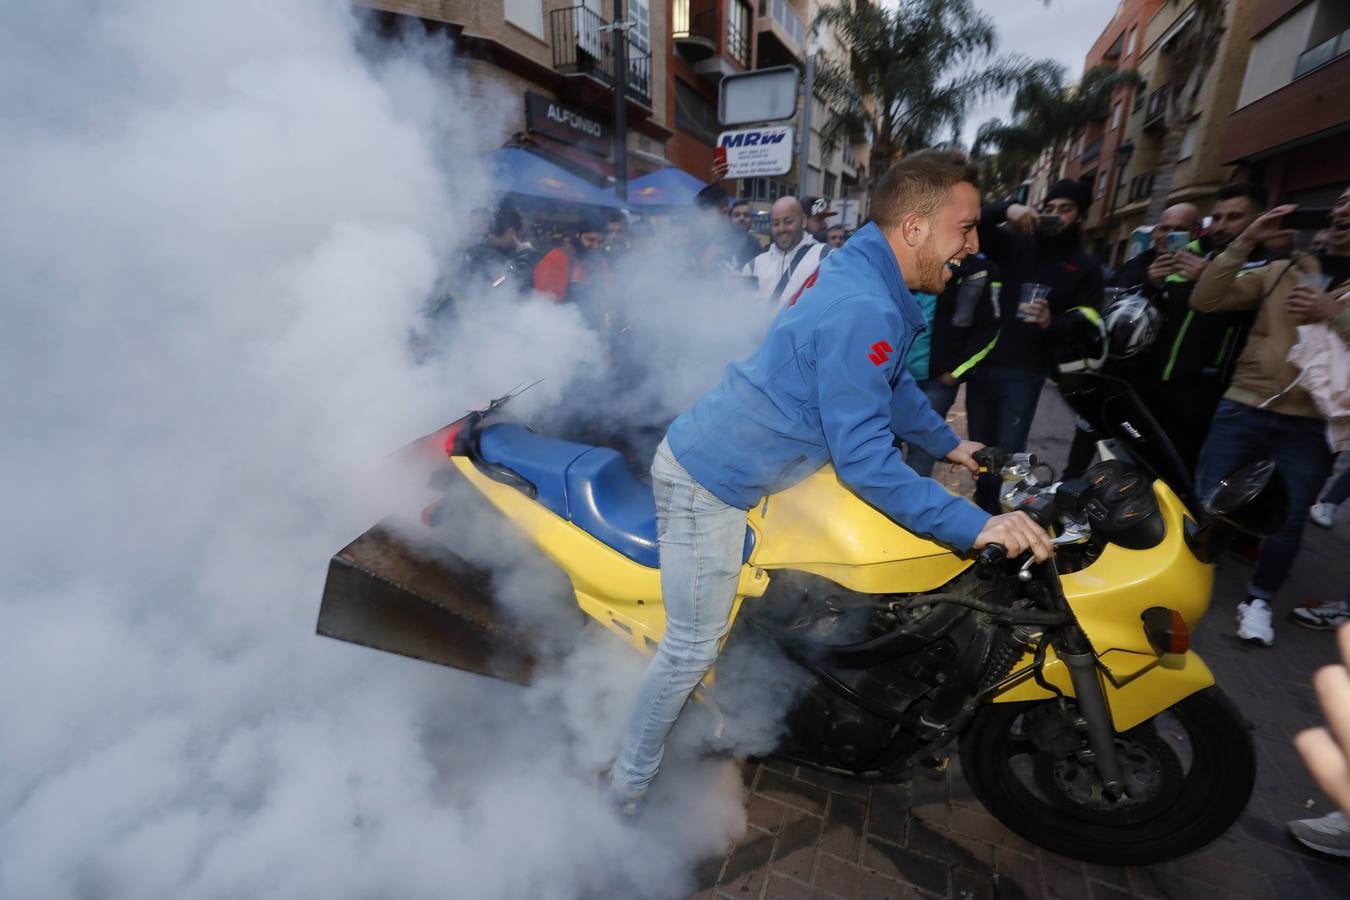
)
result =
(813, 835)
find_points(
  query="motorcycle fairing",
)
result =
(1109, 598)
(620, 593)
(820, 526)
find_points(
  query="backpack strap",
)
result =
(787, 275)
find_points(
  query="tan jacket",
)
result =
(1263, 370)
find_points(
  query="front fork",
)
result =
(1073, 648)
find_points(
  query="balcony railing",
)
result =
(786, 17)
(1092, 151)
(581, 48)
(1323, 53)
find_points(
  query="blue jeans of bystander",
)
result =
(1241, 434)
(1339, 491)
(941, 396)
(1000, 404)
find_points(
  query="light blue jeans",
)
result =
(702, 541)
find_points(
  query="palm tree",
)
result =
(910, 74)
(1047, 113)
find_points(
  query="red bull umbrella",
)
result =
(520, 172)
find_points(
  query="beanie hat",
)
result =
(711, 197)
(593, 220)
(1068, 189)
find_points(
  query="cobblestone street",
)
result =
(813, 835)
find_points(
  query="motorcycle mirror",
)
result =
(1253, 498)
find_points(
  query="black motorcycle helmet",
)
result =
(1077, 339)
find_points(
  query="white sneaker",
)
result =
(1329, 834)
(1253, 622)
(1323, 616)
(1323, 514)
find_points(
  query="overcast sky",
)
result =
(1061, 29)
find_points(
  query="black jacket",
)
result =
(1191, 346)
(964, 328)
(487, 264)
(1074, 276)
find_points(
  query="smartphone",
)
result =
(719, 156)
(1177, 241)
(1049, 224)
(1308, 219)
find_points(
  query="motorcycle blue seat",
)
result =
(592, 487)
(542, 461)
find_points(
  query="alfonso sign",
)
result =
(563, 123)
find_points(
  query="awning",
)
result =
(666, 187)
(520, 172)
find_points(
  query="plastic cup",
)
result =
(1033, 296)
(1315, 281)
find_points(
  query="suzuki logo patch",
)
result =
(880, 353)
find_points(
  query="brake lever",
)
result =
(1073, 533)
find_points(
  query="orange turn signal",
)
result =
(1167, 631)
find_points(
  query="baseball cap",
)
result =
(818, 206)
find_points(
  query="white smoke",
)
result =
(221, 224)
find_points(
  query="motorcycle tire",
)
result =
(1183, 812)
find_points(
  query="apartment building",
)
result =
(544, 68)
(1291, 126)
(1095, 157)
(545, 71)
(783, 36)
(710, 39)
(1126, 185)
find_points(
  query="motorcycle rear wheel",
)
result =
(1177, 808)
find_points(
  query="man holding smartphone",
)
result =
(1184, 374)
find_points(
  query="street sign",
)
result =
(758, 152)
(764, 95)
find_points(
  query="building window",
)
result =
(1140, 94)
(641, 32)
(738, 32)
(694, 114)
(1115, 116)
(527, 15)
(1101, 184)
(1132, 47)
(828, 190)
(1188, 140)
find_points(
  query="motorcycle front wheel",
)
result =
(1189, 772)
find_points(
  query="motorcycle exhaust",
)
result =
(380, 593)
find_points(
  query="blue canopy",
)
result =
(666, 187)
(521, 172)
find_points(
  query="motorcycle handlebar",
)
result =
(988, 559)
(990, 459)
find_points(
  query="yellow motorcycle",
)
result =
(1085, 723)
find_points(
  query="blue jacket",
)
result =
(829, 384)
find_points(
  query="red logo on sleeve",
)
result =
(880, 353)
(805, 284)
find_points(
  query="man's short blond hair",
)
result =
(919, 183)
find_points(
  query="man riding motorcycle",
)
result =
(827, 385)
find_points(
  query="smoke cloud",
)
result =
(222, 227)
